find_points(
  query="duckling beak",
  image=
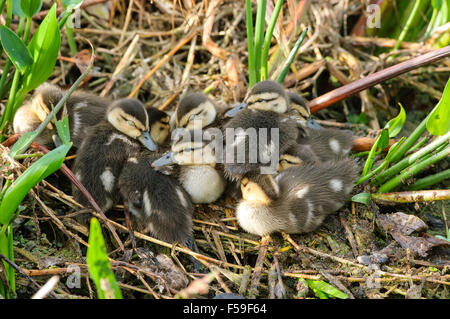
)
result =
(147, 141)
(165, 160)
(236, 109)
(313, 124)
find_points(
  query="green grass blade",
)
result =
(409, 22)
(43, 167)
(291, 57)
(268, 38)
(259, 36)
(98, 264)
(380, 143)
(250, 48)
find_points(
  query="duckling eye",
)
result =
(131, 123)
(259, 100)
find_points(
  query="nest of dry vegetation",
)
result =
(161, 50)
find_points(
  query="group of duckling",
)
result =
(117, 159)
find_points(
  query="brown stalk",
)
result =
(357, 86)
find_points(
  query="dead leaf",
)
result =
(403, 223)
(419, 245)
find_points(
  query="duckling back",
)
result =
(158, 202)
(300, 199)
(84, 111)
(253, 138)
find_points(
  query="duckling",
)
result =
(197, 111)
(326, 143)
(107, 147)
(157, 201)
(193, 162)
(160, 127)
(84, 111)
(253, 140)
(296, 200)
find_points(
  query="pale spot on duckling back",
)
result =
(336, 185)
(133, 160)
(147, 204)
(335, 146)
(120, 137)
(108, 179)
(182, 198)
(302, 191)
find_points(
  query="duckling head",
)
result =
(195, 108)
(286, 160)
(261, 189)
(267, 95)
(130, 117)
(45, 97)
(194, 147)
(159, 125)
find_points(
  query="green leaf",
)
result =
(25, 139)
(98, 264)
(62, 127)
(395, 125)
(438, 122)
(329, 290)
(30, 7)
(6, 248)
(72, 4)
(17, 9)
(362, 198)
(43, 167)
(44, 47)
(15, 49)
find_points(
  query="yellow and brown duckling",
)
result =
(106, 148)
(197, 111)
(325, 143)
(193, 162)
(297, 200)
(84, 111)
(158, 202)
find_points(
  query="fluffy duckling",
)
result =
(296, 200)
(157, 201)
(159, 125)
(107, 147)
(197, 111)
(253, 140)
(193, 163)
(84, 111)
(326, 143)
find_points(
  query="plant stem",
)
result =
(430, 180)
(27, 30)
(372, 173)
(410, 159)
(412, 197)
(9, 14)
(250, 49)
(268, 38)
(259, 35)
(406, 28)
(410, 141)
(291, 57)
(418, 144)
(414, 169)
